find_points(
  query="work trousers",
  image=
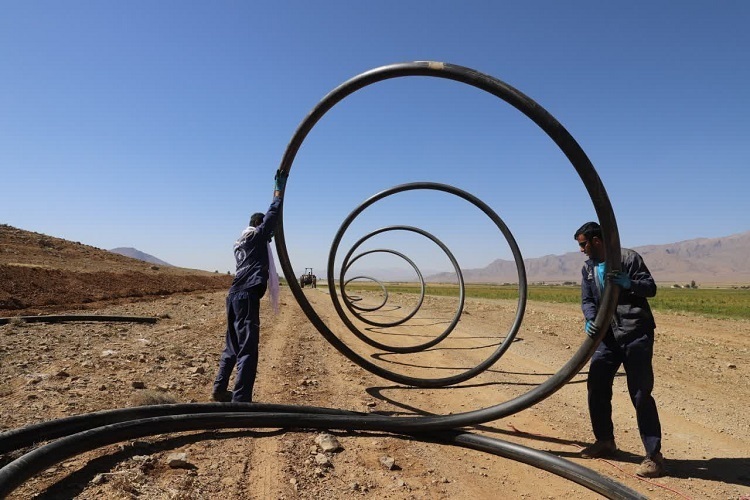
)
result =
(636, 357)
(242, 337)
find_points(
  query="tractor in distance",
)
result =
(308, 278)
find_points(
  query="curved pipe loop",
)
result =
(350, 300)
(348, 261)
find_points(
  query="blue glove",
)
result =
(591, 329)
(280, 180)
(620, 278)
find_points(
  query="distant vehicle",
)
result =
(308, 278)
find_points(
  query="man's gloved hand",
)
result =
(591, 329)
(280, 180)
(620, 278)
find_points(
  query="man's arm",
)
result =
(268, 225)
(588, 300)
(641, 281)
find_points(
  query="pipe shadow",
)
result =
(381, 357)
(377, 392)
(73, 484)
(435, 322)
(378, 330)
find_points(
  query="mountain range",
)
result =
(721, 261)
(137, 254)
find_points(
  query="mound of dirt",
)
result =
(40, 273)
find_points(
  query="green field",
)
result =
(712, 302)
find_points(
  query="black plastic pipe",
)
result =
(559, 135)
(21, 469)
(52, 429)
(78, 317)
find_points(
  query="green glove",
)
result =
(280, 180)
(591, 329)
(620, 278)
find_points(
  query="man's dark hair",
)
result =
(589, 230)
(256, 219)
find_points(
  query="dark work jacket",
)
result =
(251, 251)
(633, 317)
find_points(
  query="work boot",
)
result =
(222, 396)
(651, 466)
(600, 449)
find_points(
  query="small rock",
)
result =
(198, 369)
(178, 461)
(732, 366)
(99, 479)
(388, 462)
(323, 460)
(328, 442)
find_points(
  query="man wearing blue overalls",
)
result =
(251, 253)
(629, 341)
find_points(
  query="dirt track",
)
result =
(56, 370)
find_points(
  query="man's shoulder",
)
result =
(629, 253)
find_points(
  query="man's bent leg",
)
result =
(604, 365)
(228, 356)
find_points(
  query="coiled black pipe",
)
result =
(345, 264)
(385, 290)
(351, 299)
(551, 127)
(17, 471)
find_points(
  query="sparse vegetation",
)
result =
(149, 397)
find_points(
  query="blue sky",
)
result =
(159, 125)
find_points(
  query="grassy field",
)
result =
(713, 302)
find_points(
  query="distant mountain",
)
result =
(137, 254)
(724, 260)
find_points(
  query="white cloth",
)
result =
(273, 282)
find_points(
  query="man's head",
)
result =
(589, 238)
(256, 219)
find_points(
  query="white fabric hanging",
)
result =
(273, 281)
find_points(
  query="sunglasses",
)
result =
(583, 244)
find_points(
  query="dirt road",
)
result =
(54, 370)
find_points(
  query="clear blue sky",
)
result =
(159, 125)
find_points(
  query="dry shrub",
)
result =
(149, 398)
(16, 321)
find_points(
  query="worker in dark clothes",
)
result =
(252, 254)
(629, 341)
